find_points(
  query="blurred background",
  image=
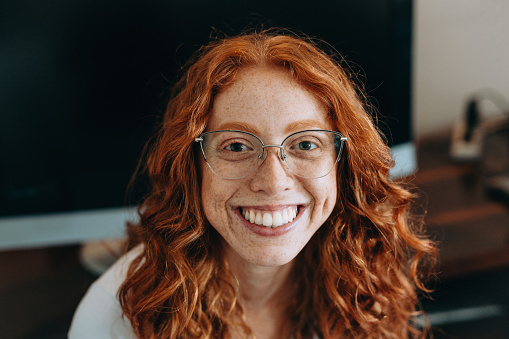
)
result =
(83, 83)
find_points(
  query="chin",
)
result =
(271, 259)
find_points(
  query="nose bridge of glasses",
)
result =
(279, 147)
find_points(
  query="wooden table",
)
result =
(471, 225)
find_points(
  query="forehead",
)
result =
(267, 100)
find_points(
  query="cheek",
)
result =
(208, 195)
(215, 194)
(333, 188)
(326, 194)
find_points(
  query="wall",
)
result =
(460, 47)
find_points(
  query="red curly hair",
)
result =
(359, 275)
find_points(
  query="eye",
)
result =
(236, 147)
(306, 145)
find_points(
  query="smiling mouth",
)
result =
(270, 219)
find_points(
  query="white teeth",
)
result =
(270, 218)
(286, 217)
(267, 219)
(277, 219)
(258, 219)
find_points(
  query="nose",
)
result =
(272, 176)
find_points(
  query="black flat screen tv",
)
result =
(83, 83)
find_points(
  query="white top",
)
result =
(99, 314)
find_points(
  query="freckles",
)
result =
(217, 193)
(325, 196)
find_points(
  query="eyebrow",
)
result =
(239, 126)
(305, 124)
(292, 127)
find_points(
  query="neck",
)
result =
(265, 293)
(261, 286)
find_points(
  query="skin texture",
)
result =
(270, 104)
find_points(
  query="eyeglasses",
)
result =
(236, 154)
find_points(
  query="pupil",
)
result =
(236, 147)
(305, 145)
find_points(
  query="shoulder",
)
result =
(99, 314)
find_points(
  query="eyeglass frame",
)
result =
(282, 156)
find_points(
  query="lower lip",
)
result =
(269, 231)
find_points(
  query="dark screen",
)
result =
(84, 82)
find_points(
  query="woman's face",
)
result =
(271, 105)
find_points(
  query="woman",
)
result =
(271, 213)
